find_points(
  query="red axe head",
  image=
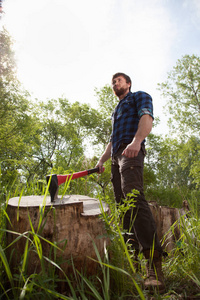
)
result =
(56, 180)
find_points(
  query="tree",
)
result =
(15, 120)
(7, 58)
(170, 163)
(182, 91)
(56, 143)
(101, 134)
(39, 137)
(106, 104)
(190, 156)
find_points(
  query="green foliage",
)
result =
(57, 139)
(183, 264)
(15, 120)
(106, 104)
(40, 138)
(171, 167)
(7, 60)
(182, 90)
(178, 158)
(165, 196)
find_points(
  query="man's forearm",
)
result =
(144, 128)
(107, 153)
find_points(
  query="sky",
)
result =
(67, 48)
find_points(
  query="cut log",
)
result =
(73, 223)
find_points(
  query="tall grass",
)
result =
(182, 267)
(117, 277)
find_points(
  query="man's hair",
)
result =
(126, 77)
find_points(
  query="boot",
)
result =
(155, 278)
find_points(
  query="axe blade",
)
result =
(53, 186)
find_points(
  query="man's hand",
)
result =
(100, 166)
(132, 149)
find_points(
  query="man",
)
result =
(131, 123)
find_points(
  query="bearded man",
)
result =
(132, 121)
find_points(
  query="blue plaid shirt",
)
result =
(126, 116)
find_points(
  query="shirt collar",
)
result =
(129, 93)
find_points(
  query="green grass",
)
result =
(116, 277)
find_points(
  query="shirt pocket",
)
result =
(129, 108)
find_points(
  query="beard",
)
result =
(120, 92)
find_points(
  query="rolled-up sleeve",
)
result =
(144, 104)
(145, 111)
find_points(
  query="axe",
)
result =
(56, 180)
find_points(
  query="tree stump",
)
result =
(73, 223)
(168, 223)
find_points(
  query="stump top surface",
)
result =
(91, 206)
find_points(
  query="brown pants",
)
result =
(127, 174)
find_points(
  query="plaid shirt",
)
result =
(126, 116)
